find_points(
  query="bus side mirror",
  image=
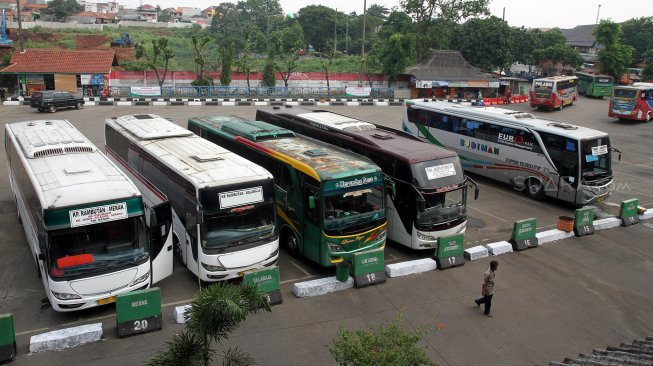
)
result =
(476, 189)
(392, 186)
(422, 204)
(191, 222)
(311, 202)
(476, 192)
(153, 219)
(616, 150)
(200, 217)
(41, 257)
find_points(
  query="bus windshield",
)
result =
(239, 225)
(625, 93)
(343, 210)
(89, 250)
(595, 157)
(441, 207)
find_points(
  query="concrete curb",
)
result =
(65, 338)
(648, 214)
(410, 267)
(321, 286)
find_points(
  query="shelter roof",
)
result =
(447, 65)
(46, 61)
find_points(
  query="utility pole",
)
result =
(335, 36)
(20, 28)
(347, 36)
(360, 74)
(503, 17)
(597, 14)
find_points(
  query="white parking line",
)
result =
(300, 268)
(483, 212)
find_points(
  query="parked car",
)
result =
(51, 100)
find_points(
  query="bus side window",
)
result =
(309, 187)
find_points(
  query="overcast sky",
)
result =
(527, 13)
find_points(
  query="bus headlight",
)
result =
(421, 236)
(333, 247)
(212, 268)
(65, 296)
(381, 236)
(141, 279)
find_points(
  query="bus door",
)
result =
(311, 225)
(161, 253)
(569, 170)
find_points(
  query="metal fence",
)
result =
(245, 92)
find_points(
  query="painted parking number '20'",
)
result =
(140, 325)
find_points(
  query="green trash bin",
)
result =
(342, 271)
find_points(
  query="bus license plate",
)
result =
(107, 300)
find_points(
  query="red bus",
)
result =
(554, 92)
(632, 102)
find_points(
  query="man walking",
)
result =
(487, 288)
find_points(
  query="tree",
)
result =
(638, 33)
(287, 42)
(199, 42)
(214, 314)
(269, 79)
(444, 13)
(326, 60)
(525, 42)
(396, 54)
(245, 63)
(371, 65)
(550, 56)
(61, 10)
(647, 73)
(485, 43)
(614, 57)
(227, 62)
(386, 344)
(159, 55)
(317, 24)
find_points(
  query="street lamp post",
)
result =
(597, 14)
(360, 74)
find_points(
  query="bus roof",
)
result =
(324, 161)
(635, 86)
(509, 118)
(593, 74)
(399, 144)
(66, 167)
(557, 78)
(204, 163)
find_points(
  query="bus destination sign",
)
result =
(98, 214)
(241, 197)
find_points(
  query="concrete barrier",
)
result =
(552, 235)
(8, 348)
(180, 314)
(195, 103)
(646, 215)
(607, 223)
(321, 286)
(228, 104)
(410, 267)
(477, 252)
(499, 248)
(65, 338)
(123, 104)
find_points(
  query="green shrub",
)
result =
(386, 344)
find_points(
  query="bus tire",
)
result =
(534, 189)
(648, 117)
(291, 243)
(20, 219)
(52, 109)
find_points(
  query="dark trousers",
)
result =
(487, 300)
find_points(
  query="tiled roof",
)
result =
(447, 65)
(638, 353)
(580, 35)
(95, 15)
(46, 61)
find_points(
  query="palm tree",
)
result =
(215, 313)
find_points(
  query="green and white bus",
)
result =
(223, 212)
(594, 85)
(539, 156)
(431, 188)
(331, 202)
(90, 234)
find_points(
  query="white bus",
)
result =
(542, 157)
(84, 220)
(223, 208)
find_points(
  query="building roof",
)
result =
(46, 61)
(580, 36)
(92, 14)
(639, 352)
(447, 65)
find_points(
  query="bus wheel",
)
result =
(534, 189)
(20, 219)
(648, 116)
(291, 243)
(560, 108)
(52, 109)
